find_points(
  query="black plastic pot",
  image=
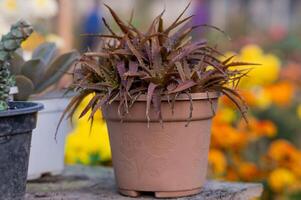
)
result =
(16, 126)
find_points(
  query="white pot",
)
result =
(47, 154)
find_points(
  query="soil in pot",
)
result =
(16, 126)
(169, 160)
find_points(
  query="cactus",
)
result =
(42, 71)
(8, 45)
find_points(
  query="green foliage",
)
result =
(8, 45)
(156, 63)
(42, 71)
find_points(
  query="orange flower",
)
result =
(267, 128)
(248, 171)
(263, 128)
(225, 136)
(231, 174)
(256, 129)
(285, 154)
(281, 93)
(249, 97)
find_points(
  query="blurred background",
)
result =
(268, 32)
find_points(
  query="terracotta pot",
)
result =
(170, 161)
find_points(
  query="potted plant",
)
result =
(17, 120)
(35, 79)
(158, 92)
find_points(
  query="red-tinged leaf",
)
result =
(98, 106)
(134, 74)
(166, 32)
(71, 107)
(187, 50)
(240, 107)
(137, 54)
(119, 22)
(233, 64)
(121, 70)
(225, 62)
(180, 71)
(161, 38)
(108, 27)
(132, 16)
(89, 106)
(123, 52)
(183, 86)
(186, 69)
(133, 68)
(150, 92)
(178, 18)
(152, 28)
(156, 99)
(156, 57)
(217, 29)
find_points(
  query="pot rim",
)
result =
(184, 97)
(24, 108)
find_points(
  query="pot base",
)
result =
(161, 194)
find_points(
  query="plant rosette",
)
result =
(158, 91)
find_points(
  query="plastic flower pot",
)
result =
(16, 127)
(168, 159)
(47, 154)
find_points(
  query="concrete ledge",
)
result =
(95, 183)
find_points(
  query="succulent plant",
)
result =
(8, 45)
(43, 70)
(161, 62)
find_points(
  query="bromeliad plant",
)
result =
(161, 62)
(40, 72)
(8, 45)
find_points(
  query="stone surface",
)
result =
(97, 183)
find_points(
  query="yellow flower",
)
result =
(217, 162)
(280, 179)
(34, 40)
(81, 145)
(263, 99)
(10, 6)
(268, 70)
